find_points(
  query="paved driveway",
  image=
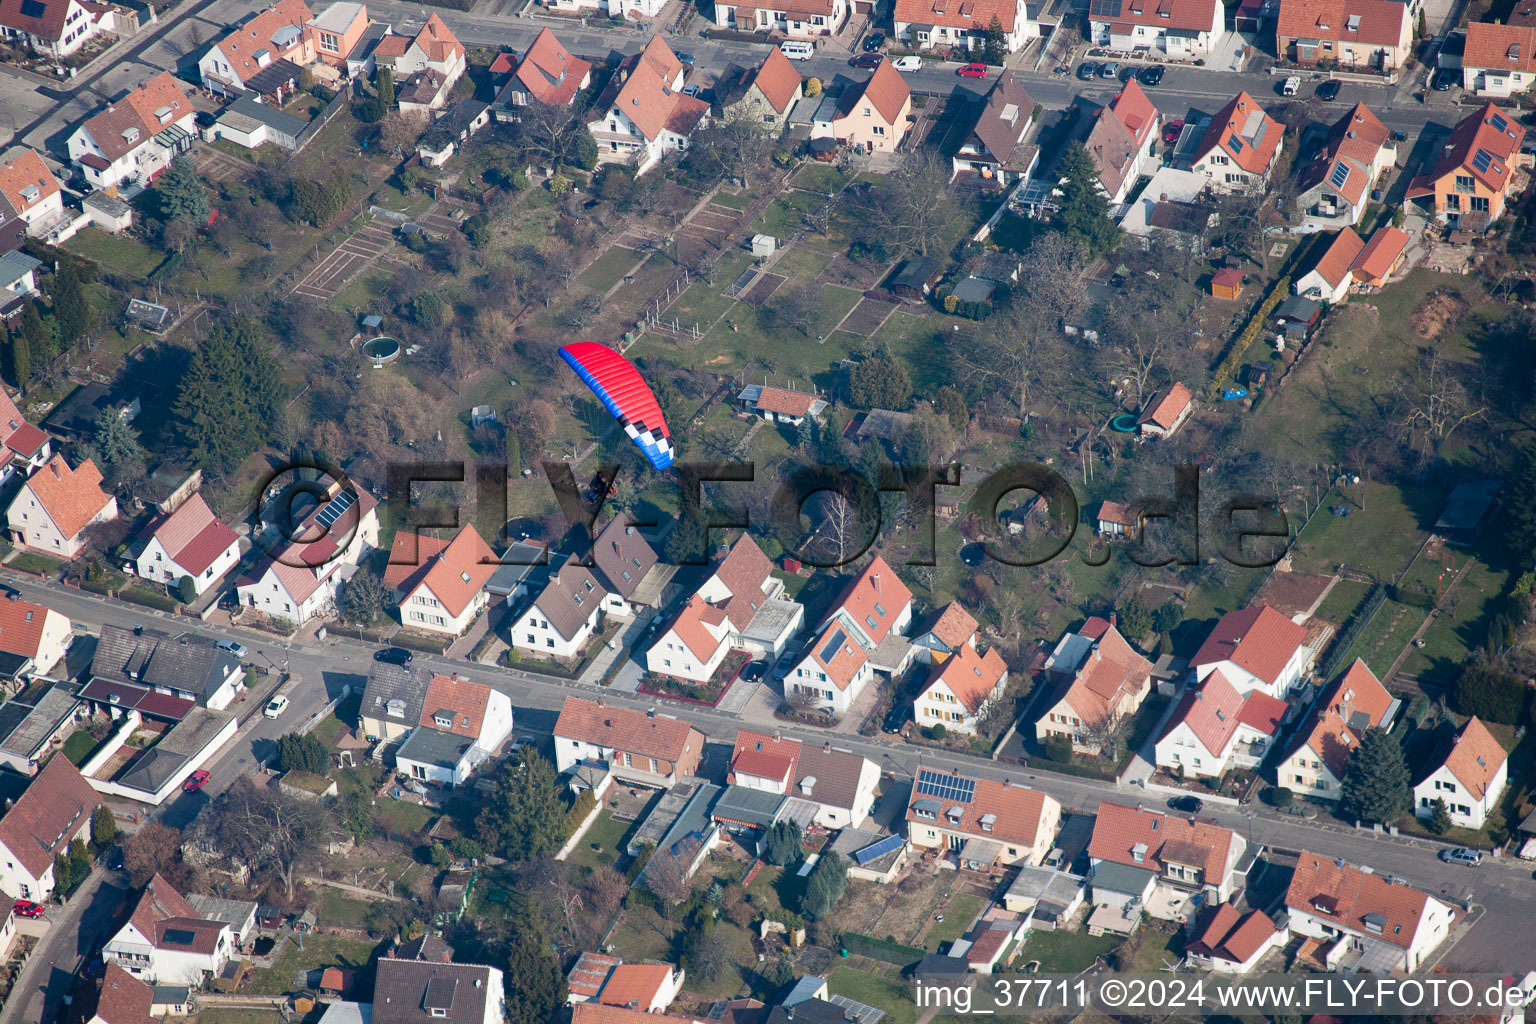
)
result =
(49, 971)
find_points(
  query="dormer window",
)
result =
(130, 135)
(163, 115)
(1139, 853)
(987, 821)
(31, 193)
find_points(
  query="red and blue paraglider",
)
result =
(624, 392)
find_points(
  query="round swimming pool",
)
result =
(381, 350)
(1125, 423)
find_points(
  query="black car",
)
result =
(393, 656)
(874, 41)
(1328, 91)
(1088, 70)
(115, 858)
(899, 716)
(1443, 80)
(754, 671)
(1188, 804)
(684, 58)
(1152, 74)
(1128, 72)
(867, 60)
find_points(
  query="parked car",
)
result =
(115, 860)
(1328, 91)
(912, 63)
(1291, 86)
(237, 649)
(1152, 74)
(275, 707)
(393, 656)
(692, 89)
(684, 58)
(1462, 855)
(1172, 130)
(1444, 79)
(26, 908)
(975, 69)
(899, 715)
(1088, 70)
(1109, 69)
(1187, 804)
(196, 781)
(754, 671)
(867, 60)
(1127, 72)
(874, 41)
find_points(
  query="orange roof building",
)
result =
(872, 117)
(781, 405)
(1121, 141)
(274, 34)
(1258, 649)
(434, 47)
(1320, 756)
(1374, 34)
(988, 823)
(1500, 59)
(1240, 145)
(643, 114)
(862, 634)
(1349, 260)
(33, 632)
(1180, 28)
(1336, 184)
(941, 24)
(1100, 680)
(29, 189)
(1187, 853)
(440, 587)
(1166, 411)
(962, 688)
(1469, 775)
(547, 73)
(1230, 942)
(56, 504)
(795, 19)
(1475, 175)
(463, 724)
(1214, 728)
(300, 580)
(1363, 917)
(648, 748)
(109, 144)
(188, 541)
(647, 987)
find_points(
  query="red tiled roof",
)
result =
(1113, 149)
(875, 598)
(1372, 22)
(963, 14)
(45, 21)
(123, 999)
(1476, 758)
(1480, 131)
(1180, 14)
(21, 626)
(441, 566)
(764, 764)
(1262, 712)
(1229, 277)
(24, 168)
(392, 46)
(1344, 895)
(590, 971)
(1118, 829)
(1381, 253)
(689, 625)
(954, 625)
(240, 47)
(1231, 936)
(1164, 408)
(744, 570)
(1018, 811)
(646, 96)
(615, 728)
(1111, 672)
(778, 80)
(885, 90)
(1503, 48)
(549, 73)
(847, 655)
(1353, 143)
(1134, 110)
(1258, 134)
(1355, 703)
(782, 400)
(465, 701)
(969, 675)
(593, 1012)
(437, 41)
(71, 497)
(192, 535)
(635, 985)
(1211, 713)
(138, 110)
(1338, 260)
(1257, 639)
(58, 802)
(1115, 512)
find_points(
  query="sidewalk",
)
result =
(594, 672)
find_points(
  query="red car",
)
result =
(26, 908)
(1171, 131)
(197, 780)
(975, 69)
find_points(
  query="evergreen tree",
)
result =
(19, 358)
(687, 543)
(1440, 821)
(180, 195)
(186, 590)
(525, 816)
(231, 396)
(104, 829)
(73, 317)
(115, 448)
(1377, 788)
(1084, 210)
(1519, 502)
(36, 335)
(298, 752)
(534, 984)
(1134, 618)
(825, 886)
(994, 42)
(879, 382)
(783, 843)
(804, 437)
(387, 89)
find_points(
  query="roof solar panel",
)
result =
(1498, 122)
(834, 643)
(877, 849)
(1104, 8)
(1340, 174)
(946, 787)
(1235, 144)
(33, 8)
(1482, 160)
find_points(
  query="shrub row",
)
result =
(1226, 370)
(148, 598)
(882, 949)
(1345, 639)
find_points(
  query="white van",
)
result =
(797, 49)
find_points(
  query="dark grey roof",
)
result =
(915, 273)
(622, 556)
(188, 663)
(427, 947)
(808, 1011)
(748, 806)
(571, 597)
(280, 74)
(693, 819)
(12, 664)
(43, 720)
(403, 989)
(974, 289)
(16, 265)
(517, 563)
(832, 775)
(1109, 876)
(247, 106)
(78, 413)
(12, 714)
(933, 964)
(169, 995)
(153, 770)
(452, 124)
(366, 43)
(431, 746)
(1298, 308)
(390, 682)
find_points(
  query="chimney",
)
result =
(826, 748)
(876, 579)
(1007, 783)
(1113, 620)
(54, 465)
(453, 678)
(601, 703)
(776, 736)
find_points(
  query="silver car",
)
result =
(1462, 855)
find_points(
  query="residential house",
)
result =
(1337, 182)
(1316, 764)
(945, 24)
(629, 567)
(185, 666)
(433, 48)
(1227, 941)
(985, 823)
(741, 606)
(586, 977)
(1256, 648)
(995, 150)
(1117, 519)
(1121, 141)
(462, 724)
(121, 999)
(29, 192)
(251, 123)
(643, 115)
(136, 137)
(55, 810)
(797, 19)
(840, 784)
(416, 991)
(231, 66)
(165, 940)
(33, 726)
(55, 505)
(190, 541)
(871, 117)
(299, 580)
(336, 33)
(392, 700)
(1351, 261)
(649, 988)
(240, 915)
(1166, 411)
(1368, 921)
(1101, 681)
(18, 279)
(764, 95)
(565, 614)
(1499, 60)
(781, 405)
(1215, 728)
(945, 632)
(1188, 856)
(1474, 176)
(547, 73)
(1469, 776)
(1346, 34)
(873, 856)
(1383, 258)
(860, 635)
(57, 28)
(1240, 145)
(423, 93)
(644, 749)
(961, 689)
(1180, 28)
(437, 585)
(626, 10)
(33, 638)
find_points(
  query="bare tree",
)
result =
(728, 149)
(553, 132)
(666, 874)
(1435, 400)
(398, 131)
(268, 830)
(909, 215)
(840, 526)
(799, 310)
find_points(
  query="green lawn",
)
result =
(318, 951)
(79, 746)
(120, 252)
(1380, 538)
(1063, 952)
(819, 178)
(1383, 640)
(31, 561)
(602, 844)
(734, 200)
(1461, 627)
(340, 910)
(609, 268)
(1342, 600)
(800, 266)
(888, 994)
(643, 934)
(404, 818)
(959, 913)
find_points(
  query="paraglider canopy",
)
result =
(616, 382)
